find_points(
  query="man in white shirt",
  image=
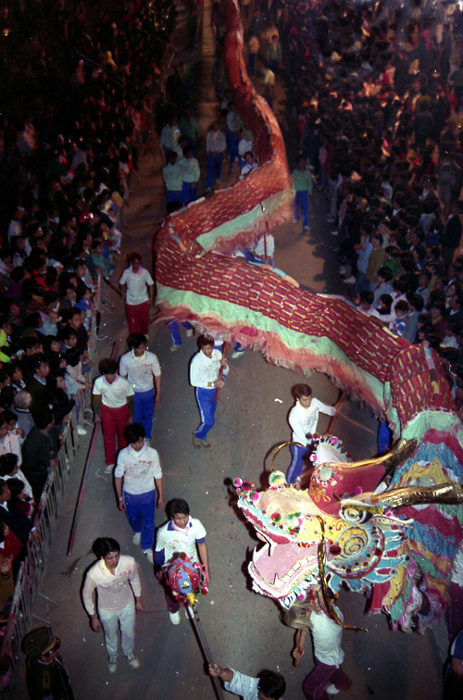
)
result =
(142, 370)
(264, 249)
(191, 173)
(138, 476)
(115, 577)
(112, 405)
(327, 676)
(137, 286)
(181, 534)
(303, 419)
(206, 371)
(267, 686)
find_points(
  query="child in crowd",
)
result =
(401, 312)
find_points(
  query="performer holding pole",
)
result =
(303, 419)
(207, 368)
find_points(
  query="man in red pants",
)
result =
(112, 404)
(327, 676)
(137, 286)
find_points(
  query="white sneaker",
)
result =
(149, 555)
(81, 431)
(189, 333)
(334, 232)
(174, 348)
(112, 665)
(133, 661)
(175, 618)
(350, 280)
(331, 689)
(342, 269)
(109, 468)
(136, 538)
(330, 219)
(237, 353)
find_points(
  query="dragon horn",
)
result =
(440, 493)
(399, 453)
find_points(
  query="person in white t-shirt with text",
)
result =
(138, 477)
(137, 287)
(143, 371)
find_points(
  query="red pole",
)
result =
(224, 352)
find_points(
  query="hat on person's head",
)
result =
(40, 641)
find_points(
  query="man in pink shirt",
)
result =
(116, 579)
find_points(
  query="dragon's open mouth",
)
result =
(277, 569)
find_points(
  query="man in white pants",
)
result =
(115, 577)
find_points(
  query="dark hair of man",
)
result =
(385, 273)
(300, 390)
(43, 418)
(177, 505)
(415, 300)
(7, 395)
(271, 684)
(204, 340)
(15, 486)
(131, 257)
(65, 333)
(8, 462)
(135, 340)
(41, 359)
(366, 296)
(72, 356)
(104, 545)
(108, 366)
(134, 432)
(3, 421)
(9, 415)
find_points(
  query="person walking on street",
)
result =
(181, 534)
(137, 285)
(138, 476)
(303, 188)
(116, 580)
(112, 405)
(327, 676)
(141, 368)
(206, 374)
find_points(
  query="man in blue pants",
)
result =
(303, 188)
(207, 370)
(143, 371)
(303, 419)
(138, 476)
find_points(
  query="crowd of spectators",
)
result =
(81, 86)
(376, 89)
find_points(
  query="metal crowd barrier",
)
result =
(31, 569)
